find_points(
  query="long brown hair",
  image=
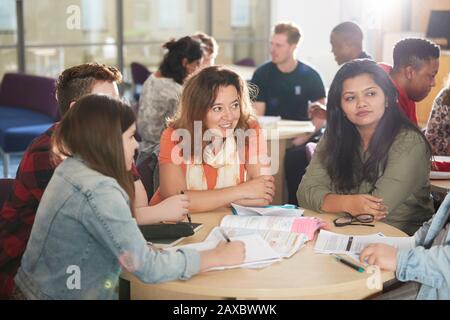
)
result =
(199, 93)
(92, 129)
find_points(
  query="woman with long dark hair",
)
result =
(162, 90)
(372, 159)
(84, 232)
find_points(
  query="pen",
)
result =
(224, 235)
(188, 214)
(348, 263)
(284, 206)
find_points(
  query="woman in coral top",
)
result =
(213, 149)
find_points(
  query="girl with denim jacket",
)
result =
(84, 232)
(426, 267)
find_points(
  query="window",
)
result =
(8, 35)
(73, 32)
(242, 29)
(148, 24)
(62, 33)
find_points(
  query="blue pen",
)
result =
(284, 206)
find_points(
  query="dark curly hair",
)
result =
(188, 48)
(414, 51)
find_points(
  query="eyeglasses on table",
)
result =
(358, 220)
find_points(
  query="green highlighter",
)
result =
(348, 263)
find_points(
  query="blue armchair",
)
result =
(139, 73)
(27, 108)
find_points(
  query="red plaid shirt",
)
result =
(19, 211)
(17, 215)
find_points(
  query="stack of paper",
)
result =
(258, 253)
(293, 224)
(330, 242)
(284, 210)
(267, 238)
(284, 243)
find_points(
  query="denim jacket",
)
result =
(84, 234)
(426, 264)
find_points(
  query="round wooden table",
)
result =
(306, 275)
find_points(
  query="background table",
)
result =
(306, 275)
(440, 185)
(286, 130)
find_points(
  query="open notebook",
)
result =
(258, 253)
(290, 224)
(267, 238)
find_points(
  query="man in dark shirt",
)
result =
(286, 85)
(287, 88)
(347, 42)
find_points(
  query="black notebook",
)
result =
(166, 235)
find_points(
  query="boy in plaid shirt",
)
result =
(36, 168)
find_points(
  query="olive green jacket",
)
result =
(404, 186)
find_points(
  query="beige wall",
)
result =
(421, 12)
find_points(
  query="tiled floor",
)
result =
(13, 165)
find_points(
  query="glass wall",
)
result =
(242, 28)
(73, 32)
(148, 24)
(62, 33)
(8, 37)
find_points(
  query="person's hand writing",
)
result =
(318, 114)
(381, 255)
(224, 254)
(174, 208)
(230, 253)
(317, 110)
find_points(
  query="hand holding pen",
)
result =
(224, 235)
(348, 263)
(188, 214)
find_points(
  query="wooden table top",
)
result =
(306, 275)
